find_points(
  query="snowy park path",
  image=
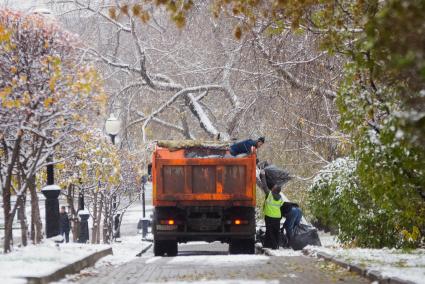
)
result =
(201, 262)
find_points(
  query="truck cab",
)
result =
(202, 193)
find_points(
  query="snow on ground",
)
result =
(328, 240)
(213, 260)
(241, 281)
(283, 252)
(42, 259)
(123, 251)
(130, 242)
(16, 222)
(407, 265)
(46, 258)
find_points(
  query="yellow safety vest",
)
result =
(271, 207)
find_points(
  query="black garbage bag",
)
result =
(260, 235)
(275, 176)
(283, 240)
(304, 235)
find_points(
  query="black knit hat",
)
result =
(262, 139)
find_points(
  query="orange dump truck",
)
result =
(201, 193)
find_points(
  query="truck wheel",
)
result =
(249, 246)
(172, 248)
(159, 248)
(244, 246)
(232, 247)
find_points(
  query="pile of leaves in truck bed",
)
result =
(174, 145)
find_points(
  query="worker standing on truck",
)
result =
(245, 146)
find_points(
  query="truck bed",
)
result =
(202, 177)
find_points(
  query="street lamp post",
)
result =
(84, 226)
(112, 128)
(145, 221)
(51, 191)
(81, 199)
(84, 215)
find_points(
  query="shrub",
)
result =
(368, 201)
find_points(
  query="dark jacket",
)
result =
(242, 147)
(64, 222)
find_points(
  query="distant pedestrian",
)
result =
(64, 224)
(245, 146)
(117, 226)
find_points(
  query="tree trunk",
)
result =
(6, 212)
(107, 222)
(94, 229)
(7, 188)
(74, 217)
(183, 120)
(23, 220)
(36, 224)
(8, 227)
(99, 218)
(21, 200)
(8, 236)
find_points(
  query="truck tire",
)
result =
(249, 246)
(172, 248)
(242, 246)
(159, 248)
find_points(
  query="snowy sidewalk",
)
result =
(45, 259)
(383, 265)
(377, 264)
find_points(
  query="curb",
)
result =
(370, 274)
(144, 250)
(260, 249)
(70, 268)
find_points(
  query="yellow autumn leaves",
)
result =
(4, 34)
(176, 8)
(96, 162)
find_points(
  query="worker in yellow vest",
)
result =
(272, 216)
(272, 211)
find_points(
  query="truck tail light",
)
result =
(167, 222)
(240, 222)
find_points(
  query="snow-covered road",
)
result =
(199, 262)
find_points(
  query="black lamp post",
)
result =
(51, 191)
(84, 217)
(112, 128)
(144, 181)
(81, 199)
(145, 221)
(84, 226)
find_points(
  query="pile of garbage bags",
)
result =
(275, 176)
(304, 234)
